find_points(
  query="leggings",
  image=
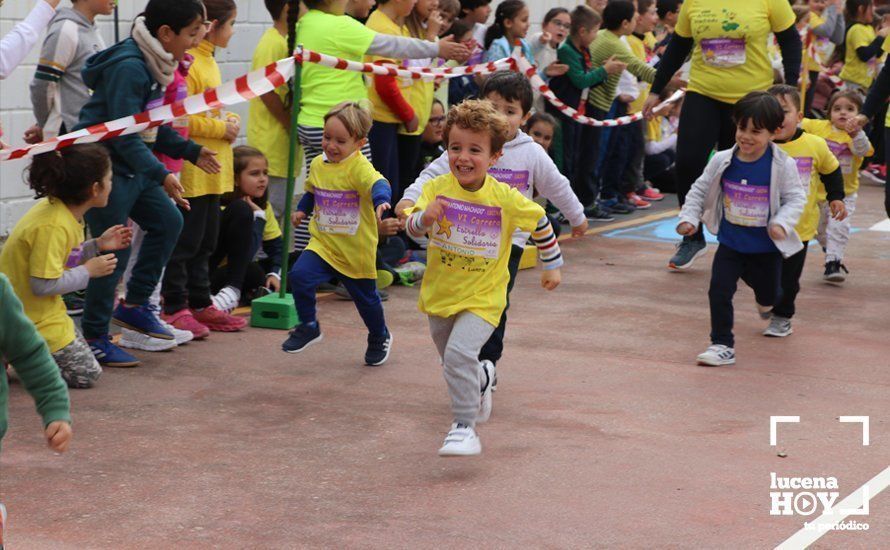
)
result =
(705, 123)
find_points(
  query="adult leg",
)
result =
(463, 369)
(728, 266)
(408, 153)
(384, 149)
(187, 246)
(792, 269)
(494, 347)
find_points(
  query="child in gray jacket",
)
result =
(751, 197)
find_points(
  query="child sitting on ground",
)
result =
(751, 197)
(69, 183)
(470, 219)
(343, 192)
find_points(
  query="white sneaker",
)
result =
(226, 300)
(179, 336)
(461, 441)
(136, 340)
(717, 355)
(779, 327)
(485, 404)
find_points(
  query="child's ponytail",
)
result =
(508, 9)
(69, 174)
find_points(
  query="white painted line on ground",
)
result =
(883, 226)
(773, 420)
(857, 500)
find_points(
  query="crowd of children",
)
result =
(462, 173)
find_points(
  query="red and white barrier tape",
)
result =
(388, 69)
(526, 68)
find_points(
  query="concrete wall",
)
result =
(15, 105)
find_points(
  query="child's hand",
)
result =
(686, 228)
(116, 237)
(434, 24)
(433, 212)
(232, 129)
(381, 209)
(856, 124)
(838, 210)
(556, 69)
(412, 125)
(579, 230)
(884, 31)
(273, 283)
(175, 189)
(401, 207)
(613, 66)
(33, 135)
(100, 266)
(388, 227)
(546, 37)
(58, 435)
(550, 278)
(207, 161)
(297, 218)
(777, 232)
(449, 49)
(253, 206)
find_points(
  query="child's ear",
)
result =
(361, 143)
(95, 189)
(495, 158)
(165, 34)
(525, 118)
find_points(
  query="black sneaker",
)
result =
(597, 214)
(617, 207)
(833, 272)
(301, 338)
(378, 349)
(74, 302)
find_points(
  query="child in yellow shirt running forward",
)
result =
(470, 218)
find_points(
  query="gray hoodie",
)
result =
(524, 165)
(58, 91)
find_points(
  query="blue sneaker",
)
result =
(615, 206)
(141, 319)
(109, 355)
(687, 252)
(301, 338)
(378, 349)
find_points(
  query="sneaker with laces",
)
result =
(219, 321)
(833, 272)
(717, 355)
(765, 312)
(651, 195)
(141, 319)
(179, 336)
(227, 299)
(616, 207)
(184, 320)
(378, 349)
(779, 327)
(109, 355)
(302, 337)
(687, 252)
(136, 340)
(461, 441)
(597, 214)
(488, 369)
(638, 201)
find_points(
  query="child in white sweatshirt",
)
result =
(524, 165)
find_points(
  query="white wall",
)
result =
(15, 105)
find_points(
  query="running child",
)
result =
(343, 193)
(751, 197)
(850, 148)
(521, 164)
(820, 173)
(464, 289)
(69, 183)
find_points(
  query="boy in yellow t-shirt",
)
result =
(470, 218)
(343, 192)
(820, 173)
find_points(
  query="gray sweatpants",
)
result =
(459, 340)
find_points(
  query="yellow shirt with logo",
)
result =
(264, 131)
(813, 158)
(855, 70)
(641, 48)
(822, 46)
(730, 56)
(39, 246)
(470, 246)
(344, 223)
(839, 143)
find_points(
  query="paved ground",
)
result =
(604, 432)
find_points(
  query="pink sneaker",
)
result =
(184, 320)
(219, 321)
(638, 202)
(651, 194)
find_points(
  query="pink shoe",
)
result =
(651, 194)
(638, 202)
(184, 320)
(218, 320)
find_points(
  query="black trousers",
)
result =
(704, 124)
(237, 246)
(494, 347)
(811, 93)
(792, 269)
(887, 156)
(761, 272)
(187, 277)
(580, 149)
(409, 153)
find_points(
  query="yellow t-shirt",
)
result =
(470, 246)
(730, 56)
(263, 130)
(839, 144)
(39, 246)
(641, 48)
(344, 224)
(813, 158)
(855, 70)
(207, 129)
(272, 230)
(886, 48)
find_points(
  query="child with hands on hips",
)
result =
(69, 182)
(751, 197)
(346, 198)
(470, 219)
